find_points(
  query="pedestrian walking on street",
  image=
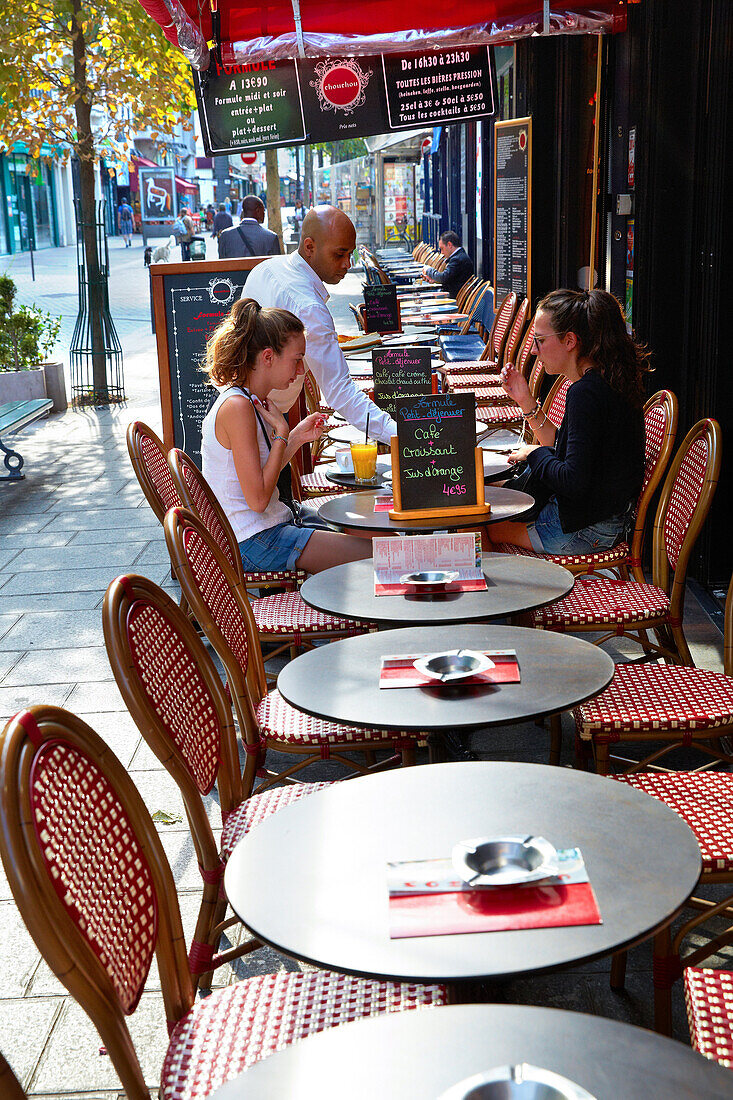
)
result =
(125, 222)
(187, 237)
(222, 221)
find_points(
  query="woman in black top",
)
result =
(590, 472)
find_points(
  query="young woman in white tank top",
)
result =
(246, 441)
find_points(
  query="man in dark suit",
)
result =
(249, 238)
(459, 268)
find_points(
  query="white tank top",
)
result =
(217, 464)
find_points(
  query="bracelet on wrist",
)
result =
(282, 438)
(534, 412)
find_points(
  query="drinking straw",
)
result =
(366, 431)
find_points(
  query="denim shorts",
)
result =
(277, 547)
(548, 537)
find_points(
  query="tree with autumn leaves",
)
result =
(73, 74)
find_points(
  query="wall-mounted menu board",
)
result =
(436, 467)
(512, 208)
(381, 309)
(189, 301)
(400, 372)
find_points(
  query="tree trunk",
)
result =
(308, 189)
(87, 207)
(274, 217)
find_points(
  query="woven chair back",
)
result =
(526, 351)
(500, 329)
(473, 306)
(223, 611)
(683, 507)
(554, 403)
(171, 688)
(515, 332)
(149, 461)
(197, 495)
(660, 428)
(10, 1087)
(89, 875)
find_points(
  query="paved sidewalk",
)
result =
(78, 520)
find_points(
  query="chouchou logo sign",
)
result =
(341, 85)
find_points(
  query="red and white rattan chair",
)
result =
(704, 800)
(93, 885)
(709, 1002)
(458, 381)
(664, 706)
(498, 417)
(660, 425)
(159, 661)
(10, 1087)
(494, 350)
(615, 607)
(265, 719)
(283, 617)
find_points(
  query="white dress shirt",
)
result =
(288, 282)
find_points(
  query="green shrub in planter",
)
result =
(27, 334)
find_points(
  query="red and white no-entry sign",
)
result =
(248, 158)
(427, 144)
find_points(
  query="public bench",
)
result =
(15, 415)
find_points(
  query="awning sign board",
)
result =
(303, 101)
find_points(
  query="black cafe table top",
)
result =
(417, 1055)
(311, 880)
(355, 512)
(340, 681)
(514, 584)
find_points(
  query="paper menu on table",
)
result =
(416, 553)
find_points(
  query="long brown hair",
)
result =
(247, 330)
(596, 318)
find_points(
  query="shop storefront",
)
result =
(29, 213)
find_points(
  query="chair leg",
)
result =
(618, 970)
(555, 739)
(682, 647)
(663, 970)
(602, 753)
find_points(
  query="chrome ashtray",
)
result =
(504, 860)
(521, 1082)
(430, 578)
(458, 664)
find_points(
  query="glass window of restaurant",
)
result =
(30, 204)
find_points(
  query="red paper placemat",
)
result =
(463, 584)
(398, 671)
(560, 902)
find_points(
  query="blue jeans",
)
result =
(275, 548)
(548, 537)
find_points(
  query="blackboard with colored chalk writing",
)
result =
(381, 309)
(436, 445)
(400, 372)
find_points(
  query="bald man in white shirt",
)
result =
(296, 282)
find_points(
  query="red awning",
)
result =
(189, 186)
(253, 31)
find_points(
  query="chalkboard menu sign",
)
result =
(512, 207)
(400, 372)
(381, 309)
(436, 466)
(189, 301)
(298, 101)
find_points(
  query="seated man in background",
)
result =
(249, 238)
(459, 268)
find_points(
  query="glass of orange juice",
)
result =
(364, 458)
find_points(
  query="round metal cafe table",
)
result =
(311, 880)
(355, 512)
(417, 1055)
(514, 584)
(340, 681)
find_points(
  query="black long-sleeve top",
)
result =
(596, 467)
(457, 271)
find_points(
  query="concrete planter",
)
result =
(56, 385)
(22, 385)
